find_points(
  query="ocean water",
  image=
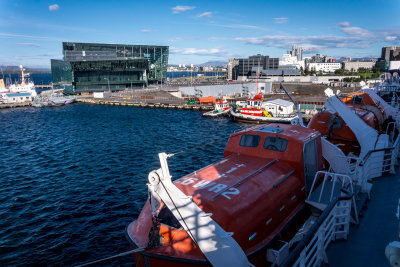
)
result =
(73, 177)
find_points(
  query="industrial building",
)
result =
(88, 67)
(388, 57)
(227, 89)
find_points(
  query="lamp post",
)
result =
(109, 89)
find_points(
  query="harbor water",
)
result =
(74, 176)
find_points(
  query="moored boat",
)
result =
(221, 109)
(255, 110)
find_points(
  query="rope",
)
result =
(112, 257)
(193, 148)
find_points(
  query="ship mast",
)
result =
(23, 75)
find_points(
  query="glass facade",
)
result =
(100, 67)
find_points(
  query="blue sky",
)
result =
(31, 32)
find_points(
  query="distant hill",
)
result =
(5, 68)
(342, 59)
(214, 63)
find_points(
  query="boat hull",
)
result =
(214, 114)
(259, 119)
(258, 256)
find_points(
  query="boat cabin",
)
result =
(278, 107)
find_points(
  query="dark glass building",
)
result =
(245, 65)
(90, 67)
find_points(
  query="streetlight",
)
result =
(109, 89)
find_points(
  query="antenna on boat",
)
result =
(295, 104)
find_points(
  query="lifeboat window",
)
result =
(166, 217)
(249, 140)
(357, 99)
(335, 123)
(275, 143)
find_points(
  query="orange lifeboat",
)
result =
(207, 100)
(253, 192)
(337, 131)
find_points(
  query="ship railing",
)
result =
(335, 180)
(332, 224)
(379, 162)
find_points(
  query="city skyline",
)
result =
(196, 32)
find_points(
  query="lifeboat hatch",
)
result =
(310, 158)
(270, 130)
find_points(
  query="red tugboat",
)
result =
(227, 213)
(253, 106)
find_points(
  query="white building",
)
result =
(279, 107)
(15, 97)
(355, 65)
(394, 65)
(325, 66)
(289, 60)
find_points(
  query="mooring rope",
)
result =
(112, 257)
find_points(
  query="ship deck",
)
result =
(378, 227)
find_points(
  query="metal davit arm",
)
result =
(366, 136)
(218, 246)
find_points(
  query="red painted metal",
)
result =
(247, 193)
(344, 136)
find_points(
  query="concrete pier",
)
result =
(15, 105)
(146, 105)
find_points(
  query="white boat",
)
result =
(258, 111)
(292, 118)
(23, 88)
(221, 109)
(52, 100)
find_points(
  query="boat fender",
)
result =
(392, 253)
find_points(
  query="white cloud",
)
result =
(13, 35)
(180, 9)
(390, 38)
(240, 26)
(205, 15)
(182, 38)
(216, 39)
(29, 44)
(54, 7)
(145, 30)
(281, 20)
(322, 41)
(356, 31)
(217, 51)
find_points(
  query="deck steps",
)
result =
(323, 195)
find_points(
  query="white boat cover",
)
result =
(217, 245)
(365, 135)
